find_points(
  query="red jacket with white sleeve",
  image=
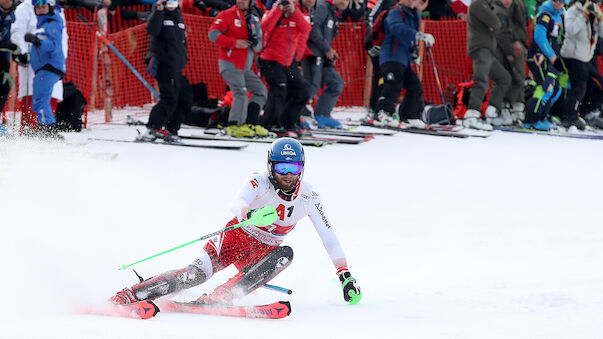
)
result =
(284, 38)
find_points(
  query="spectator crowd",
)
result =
(290, 43)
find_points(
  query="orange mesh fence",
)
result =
(450, 56)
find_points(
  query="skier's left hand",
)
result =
(351, 290)
(33, 39)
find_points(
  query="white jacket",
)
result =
(579, 35)
(27, 21)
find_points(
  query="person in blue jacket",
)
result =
(48, 62)
(543, 54)
(398, 51)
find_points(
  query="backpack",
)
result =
(378, 31)
(438, 115)
(69, 111)
(462, 94)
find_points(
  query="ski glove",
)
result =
(22, 59)
(351, 290)
(9, 47)
(7, 80)
(427, 38)
(374, 51)
(33, 39)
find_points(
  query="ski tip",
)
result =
(288, 304)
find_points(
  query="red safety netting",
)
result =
(450, 56)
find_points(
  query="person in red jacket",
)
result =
(238, 33)
(286, 32)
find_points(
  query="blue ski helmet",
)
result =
(285, 150)
(43, 2)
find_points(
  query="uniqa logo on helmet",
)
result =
(288, 150)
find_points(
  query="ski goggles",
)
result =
(294, 168)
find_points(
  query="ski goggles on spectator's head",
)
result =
(171, 3)
(294, 168)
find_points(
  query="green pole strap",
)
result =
(262, 217)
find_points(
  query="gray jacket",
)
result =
(324, 28)
(578, 34)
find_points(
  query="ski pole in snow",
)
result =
(121, 57)
(261, 218)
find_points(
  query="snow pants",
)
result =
(43, 84)
(318, 75)
(241, 82)
(396, 77)
(486, 67)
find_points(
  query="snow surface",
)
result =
(448, 238)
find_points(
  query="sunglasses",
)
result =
(294, 168)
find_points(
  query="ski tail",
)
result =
(140, 310)
(277, 310)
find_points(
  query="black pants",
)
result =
(287, 94)
(375, 86)
(578, 78)
(173, 104)
(396, 77)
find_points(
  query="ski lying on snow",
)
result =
(350, 133)
(443, 132)
(556, 133)
(328, 139)
(140, 310)
(205, 136)
(184, 144)
(277, 310)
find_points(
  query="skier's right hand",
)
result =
(351, 290)
(21, 59)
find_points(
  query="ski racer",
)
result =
(256, 251)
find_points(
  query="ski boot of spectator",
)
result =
(541, 125)
(517, 110)
(473, 120)
(577, 123)
(498, 118)
(326, 122)
(258, 130)
(244, 131)
(595, 119)
(303, 122)
(417, 123)
(387, 120)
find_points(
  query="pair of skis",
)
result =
(148, 309)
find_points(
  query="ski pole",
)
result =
(435, 72)
(261, 218)
(121, 57)
(278, 288)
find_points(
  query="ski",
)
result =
(556, 133)
(277, 310)
(181, 143)
(223, 137)
(443, 132)
(140, 310)
(327, 139)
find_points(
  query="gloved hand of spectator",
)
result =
(7, 80)
(374, 51)
(427, 38)
(200, 5)
(9, 47)
(33, 39)
(22, 59)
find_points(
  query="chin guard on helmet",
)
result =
(285, 150)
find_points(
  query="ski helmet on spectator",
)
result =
(43, 2)
(286, 155)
